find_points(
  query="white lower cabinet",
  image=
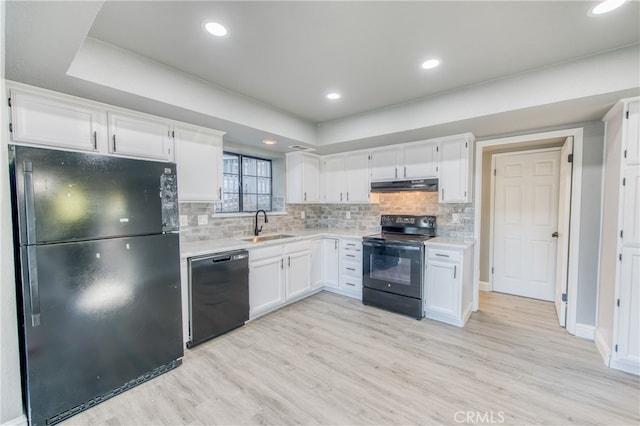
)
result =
(266, 280)
(279, 274)
(324, 258)
(350, 267)
(448, 283)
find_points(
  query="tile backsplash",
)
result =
(453, 220)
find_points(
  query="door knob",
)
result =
(555, 234)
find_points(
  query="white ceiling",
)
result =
(288, 55)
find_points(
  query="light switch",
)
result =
(202, 219)
(184, 220)
(303, 214)
(348, 215)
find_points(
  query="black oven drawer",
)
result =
(393, 268)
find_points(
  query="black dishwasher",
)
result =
(219, 294)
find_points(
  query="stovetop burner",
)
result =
(406, 228)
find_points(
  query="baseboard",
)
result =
(484, 286)
(18, 421)
(603, 348)
(585, 331)
(627, 367)
(343, 292)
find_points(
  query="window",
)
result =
(247, 184)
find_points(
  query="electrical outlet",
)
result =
(348, 215)
(303, 214)
(203, 219)
(184, 220)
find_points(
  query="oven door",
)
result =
(393, 267)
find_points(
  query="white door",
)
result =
(266, 284)
(564, 216)
(525, 217)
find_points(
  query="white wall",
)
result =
(10, 390)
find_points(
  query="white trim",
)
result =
(585, 331)
(576, 198)
(603, 347)
(492, 200)
(343, 292)
(18, 421)
(485, 286)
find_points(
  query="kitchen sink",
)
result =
(267, 238)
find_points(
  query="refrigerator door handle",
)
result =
(29, 203)
(34, 287)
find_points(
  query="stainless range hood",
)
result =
(406, 185)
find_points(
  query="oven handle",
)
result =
(393, 245)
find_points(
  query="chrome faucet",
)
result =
(257, 230)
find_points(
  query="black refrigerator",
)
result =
(97, 275)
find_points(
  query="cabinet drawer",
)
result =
(352, 269)
(298, 246)
(351, 245)
(265, 253)
(444, 255)
(352, 257)
(351, 284)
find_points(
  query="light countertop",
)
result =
(454, 242)
(199, 248)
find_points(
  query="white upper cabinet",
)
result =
(420, 160)
(357, 181)
(385, 163)
(138, 135)
(53, 121)
(455, 169)
(415, 160)
(303, 178)
(632, 138)
(333, 178)
(199, 163)
(345, 178)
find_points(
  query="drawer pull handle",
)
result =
(350, 255)
(442, 255)
(351, 269)
(352, 285)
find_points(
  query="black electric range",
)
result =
(393, 264)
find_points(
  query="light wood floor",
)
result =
(331, 360)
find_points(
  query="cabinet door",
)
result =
(454, 171)
(443, 289)
(143, 137)
(632, 142)
(303, 177)
(384, 164)
(631, 206)
(199, 163)
(43, 120)
(331, 256)
(311, 179)
(628, 336)
(317, 260)
(298, 274)
(333, 179)
(266, 285)
(357, 179)
(420, 160)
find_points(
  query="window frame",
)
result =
(241, 177)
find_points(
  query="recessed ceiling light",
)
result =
(605, 7)
(334, 96)
(215, 28)
(431, 63)
(269, 142)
